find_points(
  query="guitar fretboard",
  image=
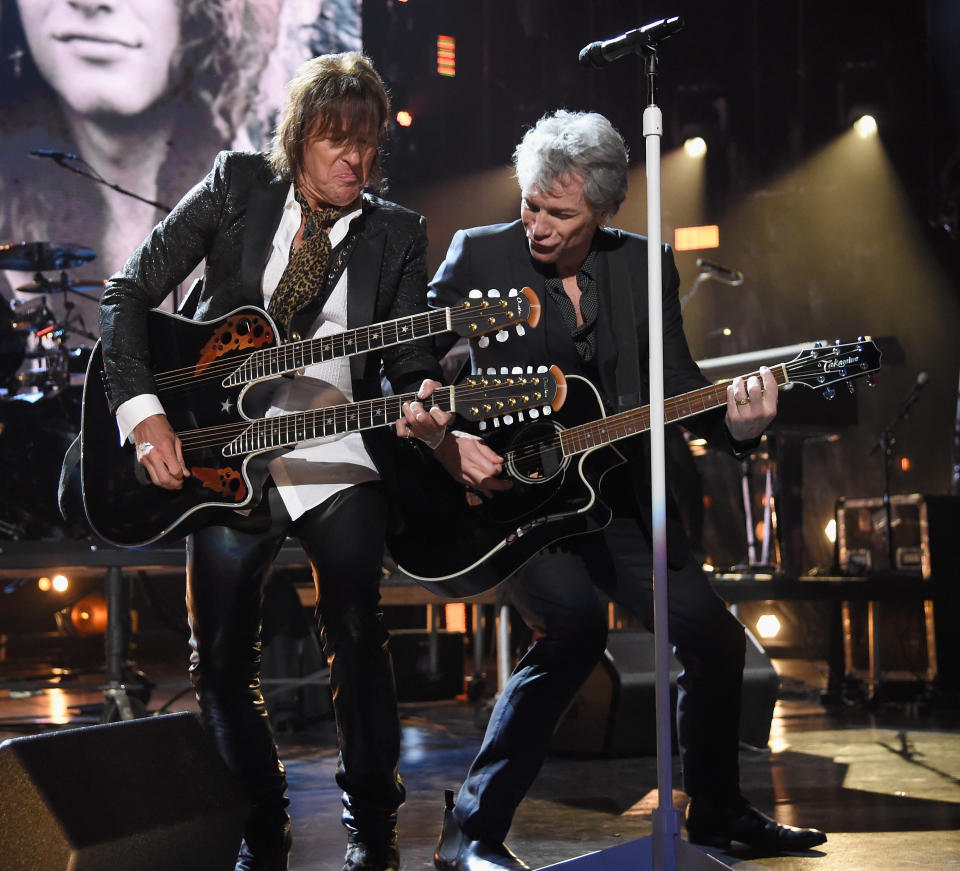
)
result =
(301, 426)
(273, 361)
(581, 438)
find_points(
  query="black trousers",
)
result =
(558, 596)
(226, 568)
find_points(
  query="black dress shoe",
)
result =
(748, 826)
(456, 852)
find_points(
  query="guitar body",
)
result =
(213, 379)
(457, 549)
(122, 505)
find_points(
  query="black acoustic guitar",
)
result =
(556, 463)
(205, 370)
(228, 460)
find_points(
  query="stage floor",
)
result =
(885, 784)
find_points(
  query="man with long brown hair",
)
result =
(293, 231)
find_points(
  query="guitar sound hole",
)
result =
(535, 456)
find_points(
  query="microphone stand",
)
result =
(89, 172)
(885, 444)
(665, 850)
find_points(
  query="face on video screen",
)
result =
(103, 57)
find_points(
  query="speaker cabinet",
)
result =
(614, 713)
(140, 795)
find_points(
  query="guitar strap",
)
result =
(627, 373)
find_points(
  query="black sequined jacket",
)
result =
(229, 219)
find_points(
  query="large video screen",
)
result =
(111, 112)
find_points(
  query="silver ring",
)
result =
(143, 449)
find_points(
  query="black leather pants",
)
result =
(226, 568)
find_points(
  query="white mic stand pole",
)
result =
(664, 851)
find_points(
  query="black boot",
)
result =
(371, 839)
(457, 851)
(265, 853)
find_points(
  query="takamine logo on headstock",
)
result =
(823, 365)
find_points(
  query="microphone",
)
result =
(599, 54)
(721, 273)
(914, 394)
(53, 155)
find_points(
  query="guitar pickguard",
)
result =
(225, 481)
(243, 332)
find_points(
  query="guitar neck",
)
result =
(274, 361)
(289, 429)
(597, 433)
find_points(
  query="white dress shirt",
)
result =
(313, 471)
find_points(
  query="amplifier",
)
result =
(862, 535)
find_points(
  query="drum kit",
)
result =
(43, 361)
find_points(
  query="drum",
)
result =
(34, 436)
(13, 345)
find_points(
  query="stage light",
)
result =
(404, 118)
(45, 584)
(695, 146)
(446, 56)
(768, 626)
(695, 238)
(88, 616)
(60, 583)
(905, 464)
(830, 530)
(866, 126)
(455, 616)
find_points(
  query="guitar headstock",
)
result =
(503, 396)
(822, 366)
(489, 312)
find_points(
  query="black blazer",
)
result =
(498, 257)
(229, 219)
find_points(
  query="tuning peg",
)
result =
(517, 370)
(851, 387)
(475, 294)
(493, 293)
(829, 393)
(520, 330)
(533, 413)
(861, 338)
(818, 344)
(838, 341)
(483, 342)
(513, 292)
(507, 419)
(502, 336)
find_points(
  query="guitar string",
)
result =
(577, 436)
(340, 414)
(459, 315)
(336, 415)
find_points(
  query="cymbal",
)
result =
(43, 256)
(62, 285)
